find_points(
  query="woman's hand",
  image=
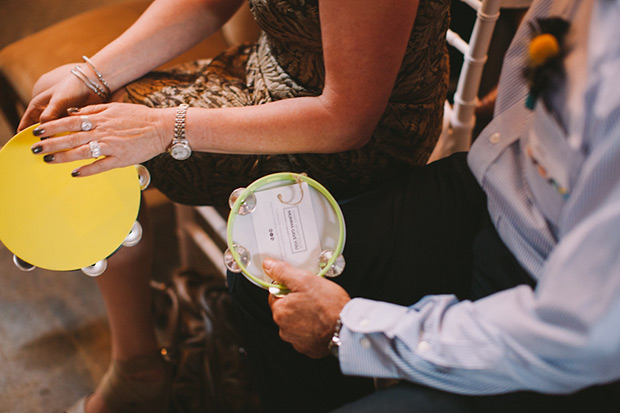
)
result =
(54, 93)
(127, 134)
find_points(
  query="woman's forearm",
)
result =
(165, 30)
(360, 72)
(306, 124)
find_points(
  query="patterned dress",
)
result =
(287, 62)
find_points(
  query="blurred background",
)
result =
(19, 18)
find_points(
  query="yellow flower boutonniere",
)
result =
(546, 52)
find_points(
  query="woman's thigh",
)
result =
(414, 236)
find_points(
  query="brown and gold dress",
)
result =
(287, 62)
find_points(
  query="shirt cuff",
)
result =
(365, 337)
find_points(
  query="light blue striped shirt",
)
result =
(552, 180)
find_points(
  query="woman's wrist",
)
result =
(166, 127)
(92, 78)
(94, 87)
(102, 80)
(179, 149)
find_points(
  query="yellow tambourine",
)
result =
(51, 220)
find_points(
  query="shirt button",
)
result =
(364, 342)
(423, 346)
(494, 138)
(364, 322)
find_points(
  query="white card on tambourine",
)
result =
(285, 225)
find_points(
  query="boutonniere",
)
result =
(546, 53)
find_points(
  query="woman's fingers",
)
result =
(70, 135)
(53, 111)
(101, 165)
(53, 93)
(33, 111)
(91, 149)
(59, 143)
(77, 121)
(92, 109)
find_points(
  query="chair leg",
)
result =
(184, 215)
(191, 232)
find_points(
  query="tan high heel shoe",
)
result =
(123, 393)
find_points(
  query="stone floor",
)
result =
(54, 341)
(19, 18)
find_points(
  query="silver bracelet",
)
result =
(99, 75)
(92, 82)
(98, 90)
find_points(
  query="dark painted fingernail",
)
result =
(75, 173)
(72, 110)
(38, 131)
(44, 138)
(48, 158)
(36, 149)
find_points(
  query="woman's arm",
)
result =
(364, 42)
(165, 30)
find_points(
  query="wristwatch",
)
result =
(334, 343)
(179, 148)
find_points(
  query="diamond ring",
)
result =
(86, 124)
(95, 149)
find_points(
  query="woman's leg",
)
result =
(126, 294)
(125, 288)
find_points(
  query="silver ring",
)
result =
(86, 124)
(95, 149)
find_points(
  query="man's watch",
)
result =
(179, 148)
(334, 343)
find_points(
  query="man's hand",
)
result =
(307, 316)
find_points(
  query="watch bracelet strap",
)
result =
(334, 342)
(179, 123)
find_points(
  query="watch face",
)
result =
(180, 151)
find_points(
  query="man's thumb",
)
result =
(284, 273)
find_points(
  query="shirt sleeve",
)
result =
(557, 339)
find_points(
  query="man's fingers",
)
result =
(271, 299)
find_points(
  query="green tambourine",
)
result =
(305, 227)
